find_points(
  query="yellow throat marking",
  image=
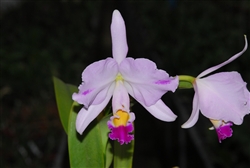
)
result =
(124, 117)
(119, 77)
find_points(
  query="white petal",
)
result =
(209, 70)
(195, 113)
(144, 81)
(85, 117)
(118, 34)
(97, 79)
(160, 111)
(223, 96)
(120, 100)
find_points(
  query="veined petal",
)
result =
(160, 111)
(118, 35)
(195, 113)
(84, 117)
(222, 96)
(120, 100)
(144, 81)
(224, 63)
(97, 78)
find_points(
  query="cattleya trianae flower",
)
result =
(222, 97)
(120, 77)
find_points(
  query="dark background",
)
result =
(41, 39)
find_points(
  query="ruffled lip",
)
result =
(121, 133)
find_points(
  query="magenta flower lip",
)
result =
(224, 131)
(121, 133)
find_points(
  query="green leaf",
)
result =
(105, 140)
(185, 85)
(64, 100)
(109, 155)
(104, 130)
(88, 149)
(123, 154)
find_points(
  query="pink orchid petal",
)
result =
(97, 78)
(118, 34)
(84, 117)
(209, 70)
(195, 113)
(160, 111)
(143, 80)
(120, 100)
(222, 96)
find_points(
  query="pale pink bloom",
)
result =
(222, 97)
(120, 77)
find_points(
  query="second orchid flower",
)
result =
(221, 97)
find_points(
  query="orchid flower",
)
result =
(120, 77)
(222, 97)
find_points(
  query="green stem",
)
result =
(186, 82)
(186, 78)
